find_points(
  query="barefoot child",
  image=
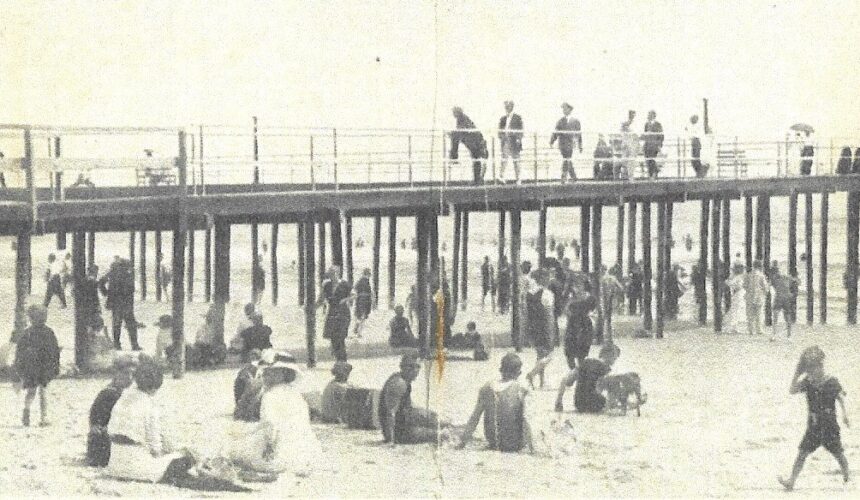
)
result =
(822, 392)
(37, 361)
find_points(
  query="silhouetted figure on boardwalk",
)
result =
(603, 165)
(652, 143)
(568, 133)
(511, 140)
(472, 139)
(843, 167)
(694, 133)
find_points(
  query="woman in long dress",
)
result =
(337, 294)
(736, 318)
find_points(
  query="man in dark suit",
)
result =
(472, 139)
(511, 140)
(118, 286)
(568, 132)
(652, 142)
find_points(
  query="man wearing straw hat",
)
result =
(511, 140)
(568, 133)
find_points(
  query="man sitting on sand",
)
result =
(402, 423)
(586, 398)
(332, 402)
(400, 333)
(503, 406)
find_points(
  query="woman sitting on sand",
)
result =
(283, 439)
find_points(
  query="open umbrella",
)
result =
(802, 127)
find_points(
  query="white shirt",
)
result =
(508, 120)
(694, 130)
(56, 268)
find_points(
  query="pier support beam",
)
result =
(79, 262)
(717, 274)
(421, 289)
(647, 319)
(300, 246)
(810, 290)
(143, 265)
(336, 241)
(541, 240)
(255, 254)
(768, 312)
(349, 264)
(132, 251)
(597, 255)
(851, 264)
(792, 246)
(667, 260)
(631, 248)
(310, 293)
(748, 232)
(221, 287)
(822, 260)
(661, 269)
(516, 238)
(377, 249)
(619, 238)
(23, 271)
(392, 262)
(726, 241)
(274, 269)
(207, 265)
(91, 249)
(704, 218)
(585, 237)
(322, 245)
(178, 296)
(464, 263)
(159, 257)
(190, 269)
(455, 260)
(501, 242)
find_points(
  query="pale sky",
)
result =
(763, 65)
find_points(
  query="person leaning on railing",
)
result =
(472, 139)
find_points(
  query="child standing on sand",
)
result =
(822, 392)
(37, 361)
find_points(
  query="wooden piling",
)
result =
(851, 264)
(501, 241)
(768, 312)
(190, 269)
(792, 246)
(759, 228)
(464, 262)
(516, 227)
(79, 275)
(597, 254)
(255, 253)
(91, 249)
(274, 267)
(336, 241)
(349, 264)
(704, 218)
(421, 289)
(58, 192)
(822, 259)
(143, 265)
(207, 265)
(726, 238)
(377, 248)
(23, 272)
(647, 319)
(585, 237)
(670, 215)
(631, 248)
(310, 293)
(300, 246)
(619, 237)
(222, 261)
(392, 261)
(810, 291)
(321, 257)
(178, 289)
(159, 256)
(541, 241)
(132, 250)
(748, 232)
(455, 260)
(661, 269)
(716, 265)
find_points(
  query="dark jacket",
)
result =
(473, 140)
(567, 133)
(652, 139)
(118, 286)
(515, 138)
(37, 354)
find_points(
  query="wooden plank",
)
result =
(501, 241)
(421, 288)
(23, 270)
(853, 219)
(178, 297)
(748, 232)
(619, 237)
(336, 240)
(726, 227)
(792, 244)
(322, 249)
(91, 249)
(766, 242)
(190, 269)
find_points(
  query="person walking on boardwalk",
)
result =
(337, 294)
(822, 393)
(472, 139)
(568, 133)
(756, 288)
(807, 153)
(652, 143)
(118, 286)
(784, 294)
(54, 281)
(511, 140)
(37, 362)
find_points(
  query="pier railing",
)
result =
(61, 158)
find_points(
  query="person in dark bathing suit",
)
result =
(586, 399)
(401, 422)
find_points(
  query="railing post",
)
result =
(409, 157)
(831, 156)
(684, 156)
(256, 154)
(200, 161)
(678, 155)
(493, 156)
(446, 165)
(536, 156)
(778, 160)
(334, 142)
(368, 168)
(735, 156)
(27, 165)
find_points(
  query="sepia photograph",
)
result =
(429, 249)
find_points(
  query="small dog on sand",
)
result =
(619, 388)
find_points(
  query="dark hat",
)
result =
(511, 363)
(409, 359)
(341, 368)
